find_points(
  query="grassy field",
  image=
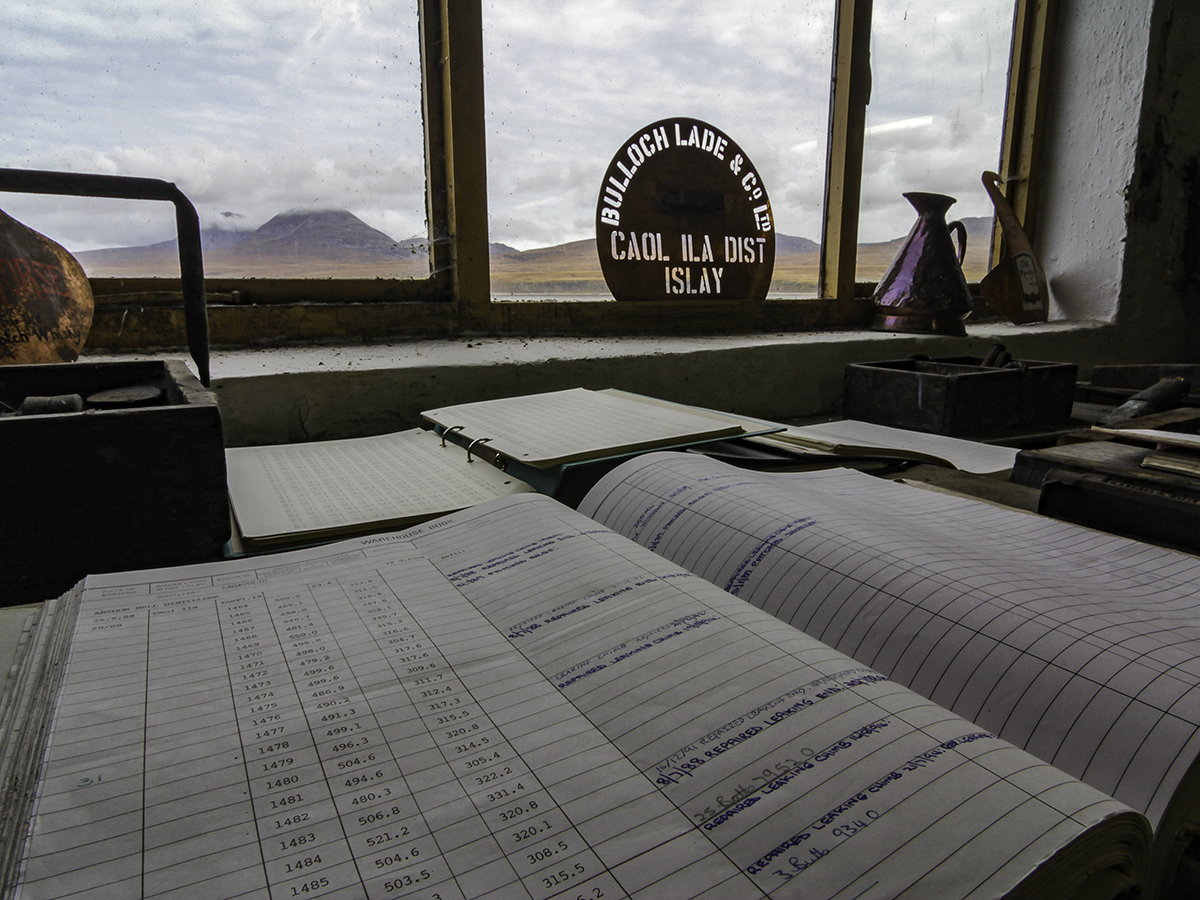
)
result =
(575, 268)
(568, 269)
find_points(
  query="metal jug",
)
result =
(923, 289)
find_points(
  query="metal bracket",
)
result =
(124, 187)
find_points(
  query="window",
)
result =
(567, 82)
(295, 128)
(481, 178)
(934, 123)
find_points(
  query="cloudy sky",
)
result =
(255, 107)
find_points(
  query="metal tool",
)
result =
(1016, 287)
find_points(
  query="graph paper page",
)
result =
(1076, 645)
(326, 487)
(564, 426)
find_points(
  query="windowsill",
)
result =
(287, 394)
(509, 350)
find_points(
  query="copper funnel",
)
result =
(923, 289)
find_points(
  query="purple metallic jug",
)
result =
(923, 289)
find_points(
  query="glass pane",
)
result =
(567, 82)
(294, 126)
(939, 77)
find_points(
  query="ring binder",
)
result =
(292, 494)
(471, 446)
(545, 432)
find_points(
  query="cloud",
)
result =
(566, 84)
(257, 107)
(249, 107)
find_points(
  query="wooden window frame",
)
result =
(141, 314)
(1034, 26)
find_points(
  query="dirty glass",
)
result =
(939, 80)
(566, 82)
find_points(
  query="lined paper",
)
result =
(512, 702)
(1080, 647)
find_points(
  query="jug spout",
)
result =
(924, 289)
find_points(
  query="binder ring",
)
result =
(472, 444)
(451, 431)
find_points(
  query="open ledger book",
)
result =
(515, 701)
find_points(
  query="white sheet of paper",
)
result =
(969, 456)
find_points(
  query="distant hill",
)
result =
(979, 232)
(338, 233)
(329, 241)
(421, 246)
(786, 244)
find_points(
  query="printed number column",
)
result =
(496, 821)
(368, 760)
(299, 836)
(199, 823)
(347, 708)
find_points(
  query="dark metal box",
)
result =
(959, 396)
(107, 489)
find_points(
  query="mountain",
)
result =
(324, 234)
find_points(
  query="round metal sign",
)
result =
(683, 215)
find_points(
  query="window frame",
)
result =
(141, 314)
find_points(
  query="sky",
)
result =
(257, 107)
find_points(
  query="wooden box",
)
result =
(960, 396)
(107, 489)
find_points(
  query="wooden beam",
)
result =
(847, 122)
(466, 160)
(431, 25)
(1025, 112)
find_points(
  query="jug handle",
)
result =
(961, 230)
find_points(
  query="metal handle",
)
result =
(961, 230)
(125, 187)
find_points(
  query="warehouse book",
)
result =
(514, 700)
(292, 494)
